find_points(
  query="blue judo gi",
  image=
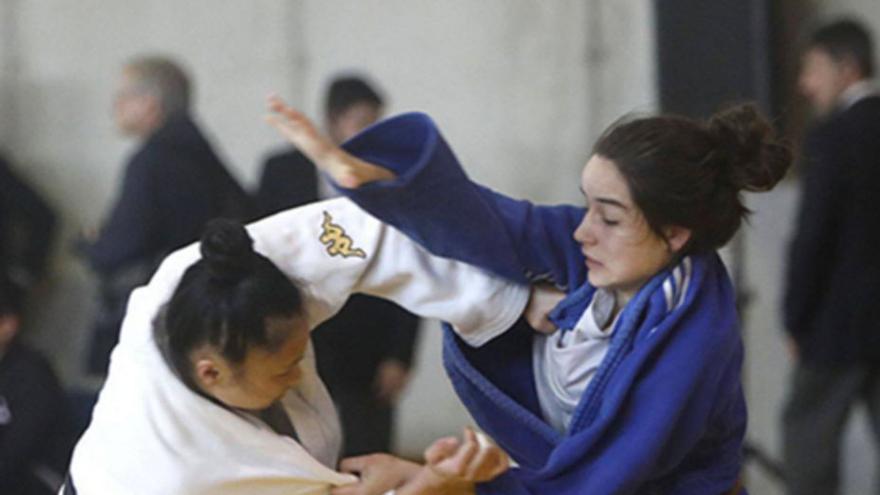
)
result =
(665, 412)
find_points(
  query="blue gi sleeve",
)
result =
(434, 202)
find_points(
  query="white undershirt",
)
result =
(857, 92)
(564, 363)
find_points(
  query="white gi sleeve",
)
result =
(332, 249)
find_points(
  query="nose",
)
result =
(583, 234)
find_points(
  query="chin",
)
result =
(596, 280)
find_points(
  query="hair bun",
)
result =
(752, 156)
(227, 250)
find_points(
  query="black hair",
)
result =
(846, 39)
(11, 297)
(346, 92)
(223, 301)
(690, 173)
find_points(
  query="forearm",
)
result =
(426, 482)
(433, 201)
(333, 249)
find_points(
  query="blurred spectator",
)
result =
(27, 227)
(831, 307)
(35, 426)
(173, 184)
(364, 353)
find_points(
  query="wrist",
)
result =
(428, 482)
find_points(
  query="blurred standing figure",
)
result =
(832, 314)
(173, 184)
(27, 226)
(35, 425)
(364, 353)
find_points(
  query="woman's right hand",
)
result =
(345, 169)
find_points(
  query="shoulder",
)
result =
(28, 364)
(287, 160)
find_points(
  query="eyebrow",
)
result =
(612, 202)
(606, 201)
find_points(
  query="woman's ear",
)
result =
(676, 237)
(208, 372)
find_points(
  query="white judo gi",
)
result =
(151, 435)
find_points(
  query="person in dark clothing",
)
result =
(173, 184)
(289, 179)
(365, 352)
(833, 283)
(35, 425)
(27, 228)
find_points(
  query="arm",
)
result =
(402, 172)
(333, 249)
(452, 467)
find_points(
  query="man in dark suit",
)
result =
(173, 184)
(364, 353)
(832, 302)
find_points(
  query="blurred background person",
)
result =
(365, 352)
(36, 435)
(27, 228)
(833, 286)
(173, 184)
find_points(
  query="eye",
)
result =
(610, 222)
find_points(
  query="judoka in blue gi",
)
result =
(640, 390)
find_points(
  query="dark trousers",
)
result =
(819, 404)
(366, 421)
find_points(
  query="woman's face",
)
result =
(263, 377)
(621, 250)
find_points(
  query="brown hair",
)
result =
(690, 173)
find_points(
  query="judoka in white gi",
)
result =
(212, 388)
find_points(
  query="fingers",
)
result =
(441, 449)
(489, 462)
(477, 459)
(542, 300)
(354, 464)
(346, 490)
(455, 464)
(346, 170)
(298, 129)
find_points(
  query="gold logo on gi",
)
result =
(338, 243)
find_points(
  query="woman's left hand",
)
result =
(346, 170)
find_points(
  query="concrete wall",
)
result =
(520, 88)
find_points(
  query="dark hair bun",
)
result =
(227, 250)
(752, 156)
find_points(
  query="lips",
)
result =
(592, 261)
